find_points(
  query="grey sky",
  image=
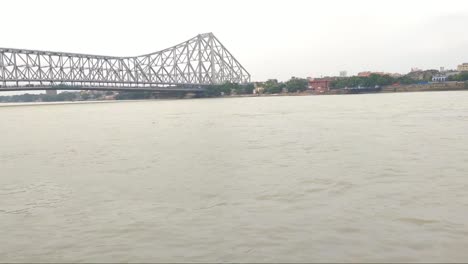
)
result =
(272, 39)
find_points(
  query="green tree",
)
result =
(227, 88)
(272, 86)
(134, 95)
(219, 90)
(463, 76)
(65, 96)
(85, 96)
(296, 85)
(370, 81)
(248, 88)
(212, 91)
(406, 80)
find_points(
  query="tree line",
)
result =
(370, 81)
(461, 77)
(228, 88)
(61, 97)
(293, 85)
(271, 86)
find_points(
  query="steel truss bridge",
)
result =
(189, 66)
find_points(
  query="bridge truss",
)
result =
(190, 66)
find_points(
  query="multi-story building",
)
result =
(462, 67)
(320, 84)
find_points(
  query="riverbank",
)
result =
(445, 86)
(431, 87)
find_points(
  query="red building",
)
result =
(322, 84)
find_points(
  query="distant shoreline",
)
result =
(307, 93)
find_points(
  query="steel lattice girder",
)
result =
(202, 60)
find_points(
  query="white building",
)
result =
(439, 78)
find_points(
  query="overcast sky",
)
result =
(272, 39)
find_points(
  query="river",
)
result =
(369, 178)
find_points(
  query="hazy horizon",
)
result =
(272, 39)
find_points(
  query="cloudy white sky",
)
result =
(272, 39)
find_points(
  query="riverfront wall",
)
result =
(446, 86)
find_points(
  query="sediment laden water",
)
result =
(379, 177)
